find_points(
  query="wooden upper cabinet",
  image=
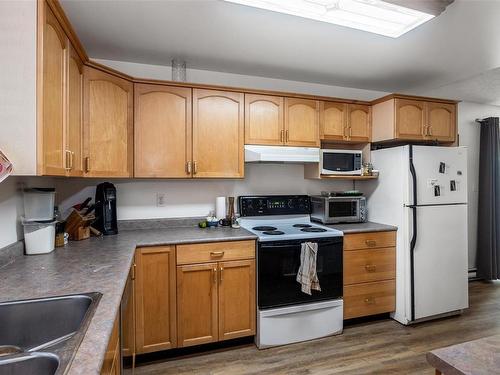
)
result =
(108, 125)
(410, 119)
(51, 156)
(301, 122)
(401, 117)
(162, 129)
(359, 123)
(218, 134)
(197, 304)
(333, 119)
(155, 299)
(74, 127)
(441, 121)
(264, 120)
(236, 299)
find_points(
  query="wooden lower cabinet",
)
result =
(155, 299)
(128, 317)
(197, 304)
(369, 273)
(236, 299)
(183, 297)
(111, 364)
(216, 301)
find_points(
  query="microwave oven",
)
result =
(345, 162)
(340, 209)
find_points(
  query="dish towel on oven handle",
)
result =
(307, 275)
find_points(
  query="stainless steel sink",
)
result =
(41, 336)
(30, 364)
(35, 324)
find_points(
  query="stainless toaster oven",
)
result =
(338, 209)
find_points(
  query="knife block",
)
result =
(78, 226)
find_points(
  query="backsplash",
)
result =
(195, 197)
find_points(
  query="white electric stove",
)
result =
(284, 313)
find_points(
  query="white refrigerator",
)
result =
(423, 191)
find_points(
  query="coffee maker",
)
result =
(105, 208)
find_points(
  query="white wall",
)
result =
(11, 208)
(18, 84)
(469, 131)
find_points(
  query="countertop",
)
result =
(362, 227)
(478, 357)
(95, 265)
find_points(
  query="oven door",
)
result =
(340, 162)
(278, 264)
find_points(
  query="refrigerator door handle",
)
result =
(414, 234)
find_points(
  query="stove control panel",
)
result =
(274, 205)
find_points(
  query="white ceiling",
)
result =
(462, 43)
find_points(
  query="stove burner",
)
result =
(264, 228)
(302, 225)
(274, 232)
(313, 230)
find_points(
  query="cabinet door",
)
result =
(51, 157)
(359, 123)
(74, 126)
(236, 299)
(162, 129)
(301, 122)
(264, 120)
(441, 121)
(410, 119)
(333, 121)
(108, 125)
(155, 299)
(111, 364)
(128, 318)
(218, 134)
(197, 304)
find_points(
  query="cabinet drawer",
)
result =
(361, 266)
(369, 299)
(215, 251)
(369, 240)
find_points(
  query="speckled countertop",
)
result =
(478, 357)
(95, 265)
(363, 227)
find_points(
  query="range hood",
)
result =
(281, 154)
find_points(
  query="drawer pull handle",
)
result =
(370, 268)
(370, 300)
(371, 243)
(217, 253)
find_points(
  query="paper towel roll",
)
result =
(220, 207)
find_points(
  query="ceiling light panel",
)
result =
(375, 16)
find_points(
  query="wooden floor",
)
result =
(382, 347)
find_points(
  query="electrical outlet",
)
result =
(160, 200)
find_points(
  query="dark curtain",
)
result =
(488, 244)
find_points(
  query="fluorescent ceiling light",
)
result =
(375, 16)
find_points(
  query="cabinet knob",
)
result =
(282, 136)
(370, 268)
(67, 159)
(221, 272)
(188, 167)
(214, 274)
(195, 167)
(370, 300)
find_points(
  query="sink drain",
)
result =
(9, 350)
